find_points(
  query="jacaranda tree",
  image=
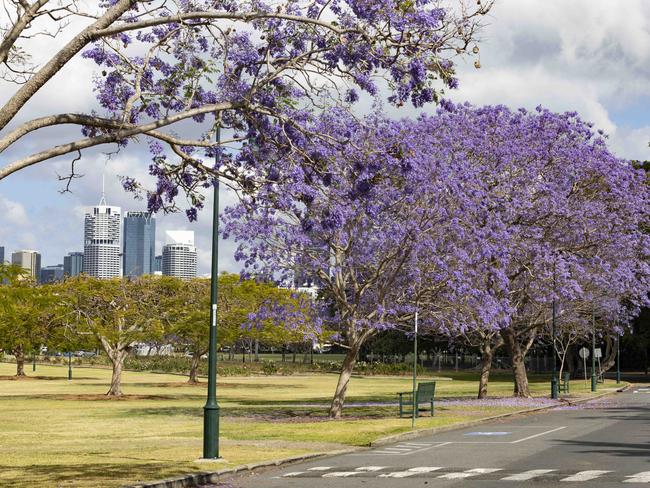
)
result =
(383, 227)
(257, 65)
(570, 210)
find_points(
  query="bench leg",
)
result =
(432, 408)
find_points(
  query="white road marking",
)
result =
(397, 451)
(585, 475)
(527, 475)
(643, 477)
(341, 474)
(469, 473)
(320, 468)
(537, 435)
(370, 468)
(409, 472)
(295, 473)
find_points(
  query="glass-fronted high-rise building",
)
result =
(29, 260)
(51, 274)
(2, 254)
(102, 256)
(139, 251)
(73, 264)
(157, 266)
(179, 254)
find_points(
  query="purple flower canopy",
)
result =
(261, 67)
(476, 217)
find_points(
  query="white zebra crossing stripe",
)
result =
(643, 477)
(469, 473)
(341, 474)
(527, 475)
(409, 472)
(320, 468)
(370, 468)
(295, 473)
(585, 475)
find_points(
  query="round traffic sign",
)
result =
(584, 353)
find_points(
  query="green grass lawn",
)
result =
(59, 433)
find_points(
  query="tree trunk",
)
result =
(117, 358)
(19, 352)
(520, 377)
(344, 379)
(487, 354)
(257, 350)
(610, 353)
(194, 369)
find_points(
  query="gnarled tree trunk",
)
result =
(117, 354)
(344, 379)
(611, 347)
(487, 349)
(517, 355)
(116, 376)
(194, 368)
(19, 352)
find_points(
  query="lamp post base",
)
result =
(211, 432)
(593, 383)
(554, 388)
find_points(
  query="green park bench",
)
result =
(424, 394)
(564, 382)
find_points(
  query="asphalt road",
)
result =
(602, 443)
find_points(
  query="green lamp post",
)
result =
(618, 360)
(554, 386)
(415, 371)
(70, 365)
(593, 350)
(211, 408)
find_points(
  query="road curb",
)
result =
(201, 478)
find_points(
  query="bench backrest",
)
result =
(426, 391)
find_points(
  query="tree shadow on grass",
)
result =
(96, 473)
(41, 378)
(91, 397)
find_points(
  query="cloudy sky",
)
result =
(592, 56)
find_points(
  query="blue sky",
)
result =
(583, 55)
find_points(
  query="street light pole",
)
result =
(618, 359)
(415, 371)
(69, 365)
(554, 389)
(211, 408)
(593, 349)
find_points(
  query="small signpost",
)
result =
(584, 354)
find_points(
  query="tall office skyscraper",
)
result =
(179, 254)
(157, 264)
(139, 244)
(29, 260)
(73, 264)
(102, 241)
(2, 254)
